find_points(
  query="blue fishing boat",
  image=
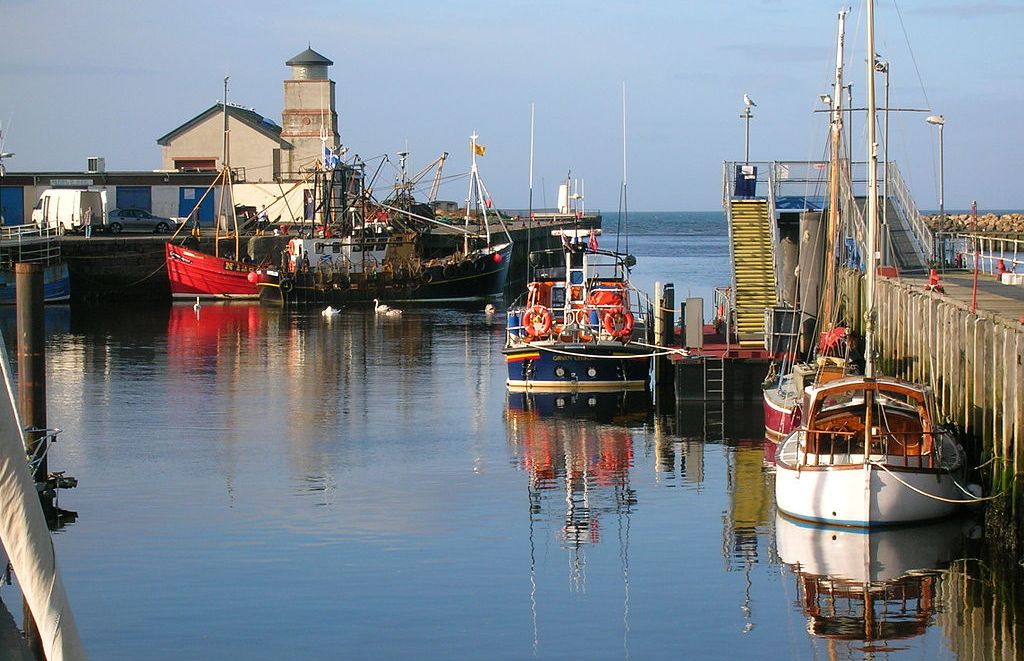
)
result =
(35, 245)
(580, 324)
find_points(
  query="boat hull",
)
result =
(480, 278)
(192, 273)
(56, 285)
(779, 418)
(602, 365)
(863, 495)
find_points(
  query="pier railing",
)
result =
(995, 253)
(899, 194)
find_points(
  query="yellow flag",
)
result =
(479, 149)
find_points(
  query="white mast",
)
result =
(835, 140)
(872, 202)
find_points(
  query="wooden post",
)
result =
(32, 360)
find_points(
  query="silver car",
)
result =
(138, 220)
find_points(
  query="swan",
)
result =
(196, 306)
(489, 308)
(379, 307)
(330, 311)
(393, 312)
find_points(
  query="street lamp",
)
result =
(940, 121)
(746, 116)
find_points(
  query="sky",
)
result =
(641, 96)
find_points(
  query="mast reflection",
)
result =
(861, 590)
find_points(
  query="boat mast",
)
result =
(835, 135)
(872, 202)
(475, 194)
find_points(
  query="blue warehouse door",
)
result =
(12, 205)
(135, 197)
(187, 199)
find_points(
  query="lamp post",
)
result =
(746, 117)
(881, 66)
(940, 121)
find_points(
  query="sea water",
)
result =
(266, 484)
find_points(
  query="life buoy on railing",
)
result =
(618, 322)
(537, 321)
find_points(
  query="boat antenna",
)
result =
(529, 211)
(623, 209)
(872, 202)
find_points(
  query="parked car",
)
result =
(138, 220)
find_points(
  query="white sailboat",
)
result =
(868, 451)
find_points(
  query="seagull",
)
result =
(747, 100)
(196, 306)
(330, 311)
(379, 308)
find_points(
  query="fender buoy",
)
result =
(537, 321)
(618, 322)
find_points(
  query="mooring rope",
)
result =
(972, 499)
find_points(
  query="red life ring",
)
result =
(616, 316)
(537, 321)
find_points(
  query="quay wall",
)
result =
(974, 364)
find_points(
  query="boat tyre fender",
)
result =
(428, 277)
(286, 285)
(466, 267)
(448, 271)
(618, 322)
(537, 321)
(479, 265)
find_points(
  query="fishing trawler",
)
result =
(581, 324)
(362, 250)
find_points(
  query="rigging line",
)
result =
(906, 38)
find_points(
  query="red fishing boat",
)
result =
(192, 273)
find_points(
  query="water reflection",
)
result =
(863, 591)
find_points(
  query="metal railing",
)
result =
(899, 193)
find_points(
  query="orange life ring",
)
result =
(614, 317)
(537, 321)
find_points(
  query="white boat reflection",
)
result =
(868, 588)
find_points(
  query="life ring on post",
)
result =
(537, 321)
(618, 322)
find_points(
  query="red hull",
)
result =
(193, 273)
(779, 422)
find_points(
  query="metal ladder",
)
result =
(714, 397)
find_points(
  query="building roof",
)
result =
(308, 56)
(250, 118)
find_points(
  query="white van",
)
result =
(63, 209)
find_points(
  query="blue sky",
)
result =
(108, 78)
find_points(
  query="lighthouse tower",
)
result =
(308, 114)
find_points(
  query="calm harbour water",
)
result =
(269, 485)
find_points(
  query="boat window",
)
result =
(558, 296)
(576, 259)
(318, 248)
(335, 247)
